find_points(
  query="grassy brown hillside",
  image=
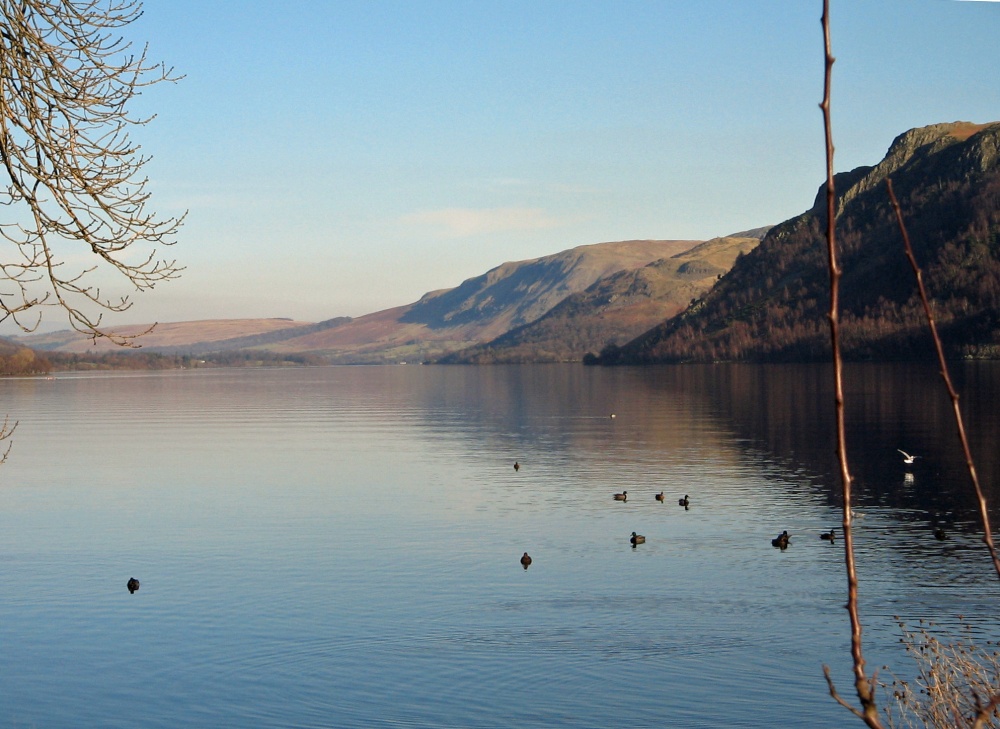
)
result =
(514, 294)
(614, 309)
(479, 309)
(772, 305)
(381, 337)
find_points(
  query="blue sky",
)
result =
(337, 158)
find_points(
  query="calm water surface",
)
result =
(338, 547)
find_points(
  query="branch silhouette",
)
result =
(952, 393)
(864, 686)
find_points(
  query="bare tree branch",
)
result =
(73, 174)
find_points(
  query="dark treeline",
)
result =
(131, 359)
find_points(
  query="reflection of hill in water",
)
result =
(788, 410)
(523, 409)
(718, 416)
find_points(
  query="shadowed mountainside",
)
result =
(772, 305)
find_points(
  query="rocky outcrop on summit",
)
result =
(921, 147)
(772, 305)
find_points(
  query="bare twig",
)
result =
(983, 511)
(6, 431)
(863, 685)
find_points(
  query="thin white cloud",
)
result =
(463, 222)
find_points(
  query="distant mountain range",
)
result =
(760, 295)
(512, 296)
(772, 305)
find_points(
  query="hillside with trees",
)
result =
(772, 305)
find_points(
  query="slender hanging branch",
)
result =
(864, 686)
(952, 393)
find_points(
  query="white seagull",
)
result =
(907, 458)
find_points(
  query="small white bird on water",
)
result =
(907, 458)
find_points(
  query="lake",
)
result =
(339, 546)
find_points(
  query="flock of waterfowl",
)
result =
(638, 538)
(685, 501)
(779, 542)
(635, 539)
